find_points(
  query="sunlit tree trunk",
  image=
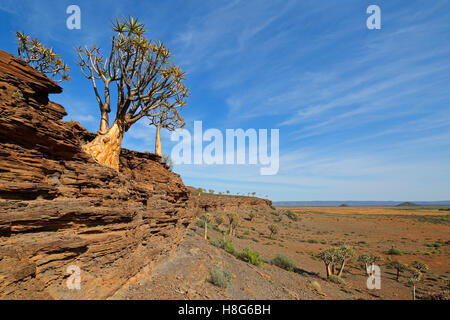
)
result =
(104, 122)
(328, 267)
(341, 269)
(158, 147)
(105, 148)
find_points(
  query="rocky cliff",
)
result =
(60, 208)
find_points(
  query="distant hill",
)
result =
(407, 204)
(356, 203)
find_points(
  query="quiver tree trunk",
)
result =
(158, 147)
(341, 269)
(328, 270)
(105, 148)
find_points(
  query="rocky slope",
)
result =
(58, 207)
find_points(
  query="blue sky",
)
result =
(363, 114)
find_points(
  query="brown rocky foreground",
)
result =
(60, 208)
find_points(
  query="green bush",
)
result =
(225, 244)
(283, 262)
(200, 223)
(394, 251)
(335, 279)
(251, 257)
(220, 278)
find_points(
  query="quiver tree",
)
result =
(41, 58)
(147, 83)
(233, 223)
(206, 219)
(345, 254)
(414, 278)
(367, 260)
(329, 258)
(166, 117)
(398, 267)
(419, 266)
(219, 220)
(335, 259)
(274, 229)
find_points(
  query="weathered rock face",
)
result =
(58, 207)
(224, 203)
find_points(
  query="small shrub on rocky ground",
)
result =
(336, 279)
(220, 278)
(394, 251)
(316, 286)
(225, 244)
(291, 215)
(283, 262)
(250, 256)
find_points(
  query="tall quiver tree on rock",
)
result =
(168, 118)
(146, 81)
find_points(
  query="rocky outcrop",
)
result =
(60, 208)
(205, 202)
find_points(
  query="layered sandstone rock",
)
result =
(59, 207)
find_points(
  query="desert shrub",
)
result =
(316, 286)
(200, 223)
(251, 216)
(220, 278)
(18, 94)
(435, 245)
(225, 244)
(394, 251)
(313, 241)
(335, 279)
(250, 256)
(283, 262)
(291, 215)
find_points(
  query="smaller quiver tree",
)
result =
(165, 117)
(41, 58)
